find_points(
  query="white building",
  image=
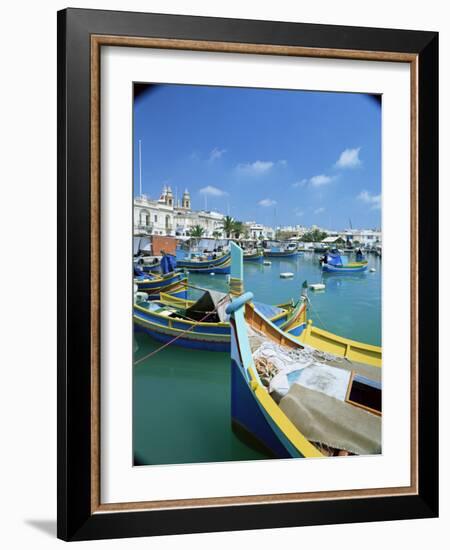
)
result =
(298, 229)
(258, 231)
(164, 217)
(362, 236)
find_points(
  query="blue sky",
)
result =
(274, 156)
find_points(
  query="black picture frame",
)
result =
(76, 520)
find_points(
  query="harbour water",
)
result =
(181, 399)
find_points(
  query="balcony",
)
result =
(143, 229)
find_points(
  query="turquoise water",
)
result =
(349, 306)
(181, 405)
(181, 399)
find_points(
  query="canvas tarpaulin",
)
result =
(209, 301)
(330, 421)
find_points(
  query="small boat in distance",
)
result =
(334, 262)
(253, 255)
(281, 250)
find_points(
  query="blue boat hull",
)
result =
(216, 265)
(185, 342)
(148, 268)
(258, 259)
(327, 268)
(182, 293)
(207, 271)
(281, 254)
(250, 420)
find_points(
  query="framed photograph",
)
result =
(247, 251)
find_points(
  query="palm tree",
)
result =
(228, 226)
(217, 234)
(238, 228)
(197, 231)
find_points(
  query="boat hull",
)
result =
(204, 336)
(259, 258)
(187, 334)
(160, 284)
(251, 423)
(269, 254)
(322, 340)
(255, 415)
(149, 268)
(217, 265)
(327, 268)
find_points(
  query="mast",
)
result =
(140, 169)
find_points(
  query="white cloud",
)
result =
(369, 198)
(216, 153)
(267, 202)
(212, 191)
(315, 181)
(319, 210)
(298, 212)
(255, 168)
(300, 183)
(349, 158)
(318, 181)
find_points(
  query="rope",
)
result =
(182, 333)
(316, 313)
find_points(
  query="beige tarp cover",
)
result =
(326, 420)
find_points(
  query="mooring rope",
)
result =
(316, 313)
(154, 352)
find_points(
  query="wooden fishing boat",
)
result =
(207, 264)
(254, 256)
(201, 324)
(279, 249)
(323, 340)
(280, 254)
(304, 418)
(151, 267)
(335, 263)
(307, 333)
(350, 267)
(153, 284)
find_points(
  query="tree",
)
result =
(228, 226)
(314, 236)
(197, 231)
(238, 229)
(217, 234)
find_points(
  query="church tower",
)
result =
(169, 197)
(163, 197)
(186, 201)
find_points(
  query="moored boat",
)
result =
(280, 254)
(294, 401)
(202, 324)
(253, 256)
(209, 263)
(151, 267)
(336, 263)
(153, 284)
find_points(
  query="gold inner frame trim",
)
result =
(97, 41)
